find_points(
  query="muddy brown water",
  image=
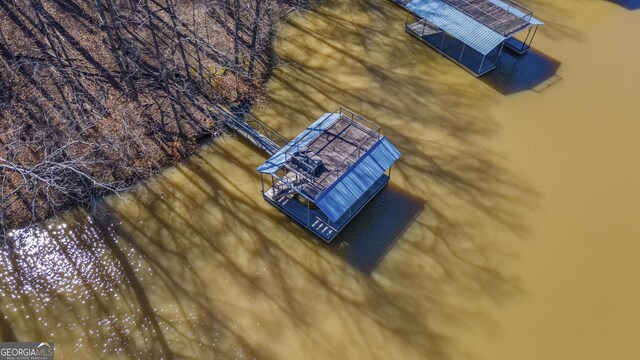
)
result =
(509, 231)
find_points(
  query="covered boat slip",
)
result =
(329, 172)
(454, 49)
(472, 33)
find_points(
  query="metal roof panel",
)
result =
(359, 178)
(277, 160)
(457, 24)
(517, 12)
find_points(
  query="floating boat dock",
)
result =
(472, 33)
(327, 174)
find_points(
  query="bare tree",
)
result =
(96, 95)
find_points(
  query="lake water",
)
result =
(509, 230)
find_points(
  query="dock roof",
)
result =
(517, 12)
(469, 29)
(278, 160)
(336, 200)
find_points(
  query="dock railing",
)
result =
(314, 183)
(518, 6)
(365, 125)
(528, 14)
(265, 130)
(254, 130)
(424, 26)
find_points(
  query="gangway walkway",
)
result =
(258, 133)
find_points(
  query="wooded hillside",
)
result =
(98, 94)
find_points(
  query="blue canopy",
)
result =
(357, 180)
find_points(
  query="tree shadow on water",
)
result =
(556, 18)
(440, 125)
(191, 262)
(151, 277)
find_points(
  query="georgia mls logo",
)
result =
(26, 351)
(46, 346)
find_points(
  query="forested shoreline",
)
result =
(96, 95)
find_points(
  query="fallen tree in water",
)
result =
(96, 95)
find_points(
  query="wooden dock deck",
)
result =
(488, 14)
(339, 147)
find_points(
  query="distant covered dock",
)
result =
(472, 33)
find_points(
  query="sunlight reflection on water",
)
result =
(61, 276)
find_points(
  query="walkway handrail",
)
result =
(254, 130)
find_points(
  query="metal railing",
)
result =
(264, 137)
(280, 185)
(527, 12)
(372, 129)
(425, 25)
(518, 6)
(265, 130)
(355, 119)
(312, 183)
